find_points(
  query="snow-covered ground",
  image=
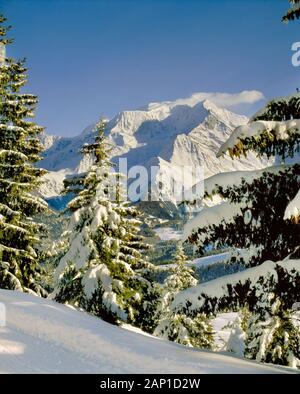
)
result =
(202, 261)
(168, 233)
(42, 336)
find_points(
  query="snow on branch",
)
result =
(212, 216)
(234, 178)
(273, 129)
(279, 109)
(293, 13)
(235, 289)
(11, 153)
(293, 209)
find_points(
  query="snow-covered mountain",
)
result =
(186, 132)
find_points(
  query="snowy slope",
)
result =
(44, 337)
(167, 233)
(180, 133)
(202, 261)
(210, 260)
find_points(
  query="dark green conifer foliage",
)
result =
(261, 227)
(103, 268)
(293, 13)
(19, 178)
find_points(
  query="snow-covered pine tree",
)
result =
(19, 178)
(236, 340)
(259, 230)
(181, 277)
(177, 327)
(259, 226)
(193, 331)
(266, 227)
(294, 12)
(273, 332)
(103, 270)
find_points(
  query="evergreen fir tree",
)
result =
(193, 331)
(177, 327)
(104, 269)
(273, 332)
(260, 231)
(264, 231)
(236, 340)
(294, 12)
(19, 179)
(261, 228)
(181, 277)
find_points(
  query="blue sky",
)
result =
(89, 58)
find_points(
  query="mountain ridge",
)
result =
(178, 133)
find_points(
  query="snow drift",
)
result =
(42, 336)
